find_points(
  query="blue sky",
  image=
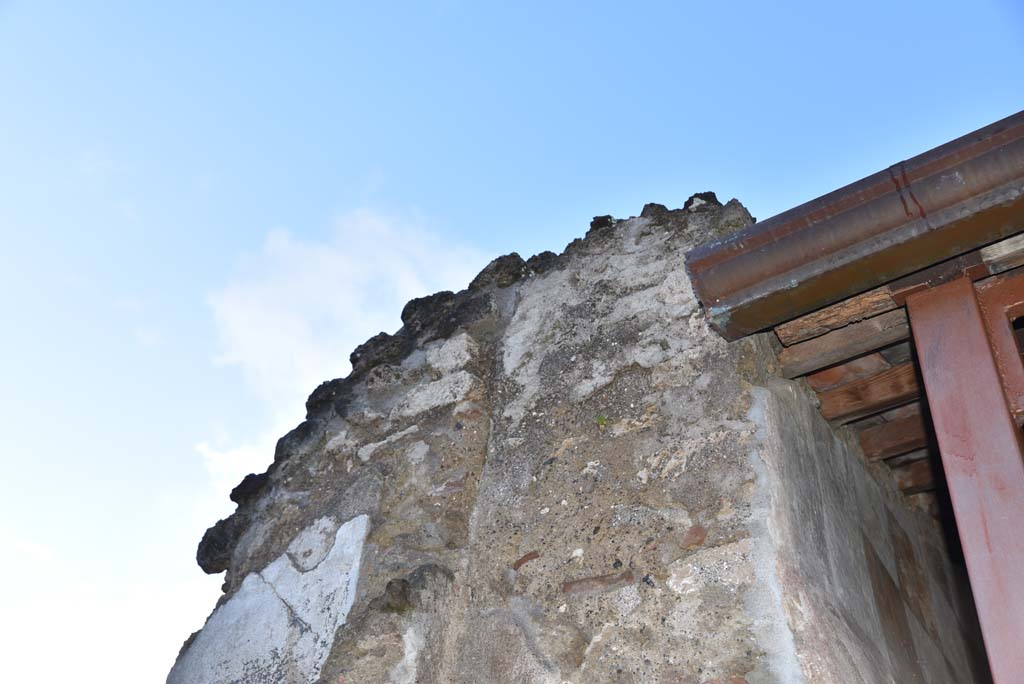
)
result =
(204, 209)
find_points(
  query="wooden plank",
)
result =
(845, 343)
(996, 258)
(874, 394)
(894, 438)
(902, 411)
(897, 354)
(927, 502)
(967, 265)
(1004, 255)
(914, 477)
(864, 423)
(838, 315)
(847, 372)
(903, 459)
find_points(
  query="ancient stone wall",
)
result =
(870, 589)
(559, 475)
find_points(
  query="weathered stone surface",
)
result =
(380, 349)
(249, 488)
(501, 272)
(653, 210)
(565, 476)
(702, 201)
(543, 262)
(861, 604)
(217, 545)
(425, 311)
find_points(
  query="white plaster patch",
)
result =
(367, 450)
(412, 642)
(541, 298)
(627, 599)
(280, 624)
(447, 390)
(414, 360)
(417, 452)
(676, 292)
(727, 565)
(312, 544)
(455, 353)
(600, 376)
(339, 442)
(529, 333)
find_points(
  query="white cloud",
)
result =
(294, 311)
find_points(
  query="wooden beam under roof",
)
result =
(995, 258)
(916, 476)
(850, 371)
(839, 315)
(894, 437)
(845, 343)
(882, 391)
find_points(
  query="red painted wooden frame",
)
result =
(974, 381)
